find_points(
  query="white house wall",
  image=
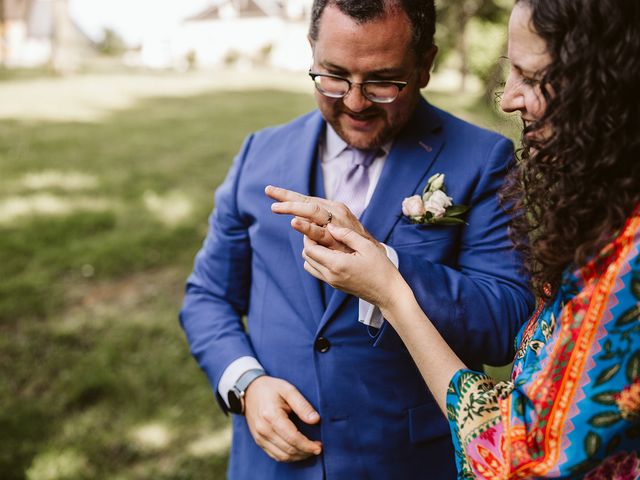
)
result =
(216, 41)
(23, 51)
(291, 50)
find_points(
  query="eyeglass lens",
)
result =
(376, 92)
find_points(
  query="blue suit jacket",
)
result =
(378, 418)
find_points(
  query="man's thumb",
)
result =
(301, 407)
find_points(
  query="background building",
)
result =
(235, 33)
(36, 33)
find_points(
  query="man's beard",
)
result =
(384, 134)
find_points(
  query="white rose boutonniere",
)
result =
(434, 206)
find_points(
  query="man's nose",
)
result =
(355, 99)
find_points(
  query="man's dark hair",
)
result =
(421, 14)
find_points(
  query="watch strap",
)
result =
(247, 377)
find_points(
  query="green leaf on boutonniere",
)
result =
(448, 221)
(457, 210)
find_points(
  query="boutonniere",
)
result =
(434, 206)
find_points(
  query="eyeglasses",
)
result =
(377, 91)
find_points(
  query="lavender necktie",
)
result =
(354, 185)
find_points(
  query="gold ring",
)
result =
(329, 219)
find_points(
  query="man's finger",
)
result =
(318, 235)
(289, 444)
(300, 406)
(295, 443)
(312, 211)
(298, 209)
(284, 195)
(272, 449)
(280, 451)
(314, 232)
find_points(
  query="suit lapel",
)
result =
(405, 170)
(303, 146)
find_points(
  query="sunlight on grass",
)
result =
(93, 97)
(69, 181)
(170, 209)
(63, 465)
(152, 436)
(214, 444)
(99, 224)
(47, 204)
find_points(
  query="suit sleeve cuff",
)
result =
(233, 372)
(368, 313)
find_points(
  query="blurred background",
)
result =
(118, 119)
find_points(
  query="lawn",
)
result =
(99, 222)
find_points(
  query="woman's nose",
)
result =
(512, 98)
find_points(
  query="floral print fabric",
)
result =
(572, 407)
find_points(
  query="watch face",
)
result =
(235, 404)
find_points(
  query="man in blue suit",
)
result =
(315, 393)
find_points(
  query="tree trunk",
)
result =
(463, 20)
(60, 61)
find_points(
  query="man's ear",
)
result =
(424, 70)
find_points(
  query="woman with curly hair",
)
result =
(572, 407)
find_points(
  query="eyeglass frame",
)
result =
(399, 84)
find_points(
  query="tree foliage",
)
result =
(472, 34)
(111, 43)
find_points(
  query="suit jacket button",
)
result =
(322, 345)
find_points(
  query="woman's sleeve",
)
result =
(576, 408)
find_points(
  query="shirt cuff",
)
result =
(233, 372)
(368, 313)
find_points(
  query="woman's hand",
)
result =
(313, 214)
(366, 272)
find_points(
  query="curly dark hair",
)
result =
(575, 184)
(421, 14)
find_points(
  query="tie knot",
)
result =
(364, 157)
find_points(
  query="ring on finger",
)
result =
(329, 218)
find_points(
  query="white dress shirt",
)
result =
(335, 160)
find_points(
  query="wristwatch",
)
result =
(235, 396)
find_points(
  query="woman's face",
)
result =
(528, 57)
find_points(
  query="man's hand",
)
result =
(312, 214)
(268, 403)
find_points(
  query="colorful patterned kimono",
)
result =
(572, 407)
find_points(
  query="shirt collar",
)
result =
(334, 145)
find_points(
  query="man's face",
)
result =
(376, 50)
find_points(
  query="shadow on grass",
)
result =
(88, 354)
(92, 354)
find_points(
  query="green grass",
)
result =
(91, 354)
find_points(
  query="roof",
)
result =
(243, 9)
(16, 9)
